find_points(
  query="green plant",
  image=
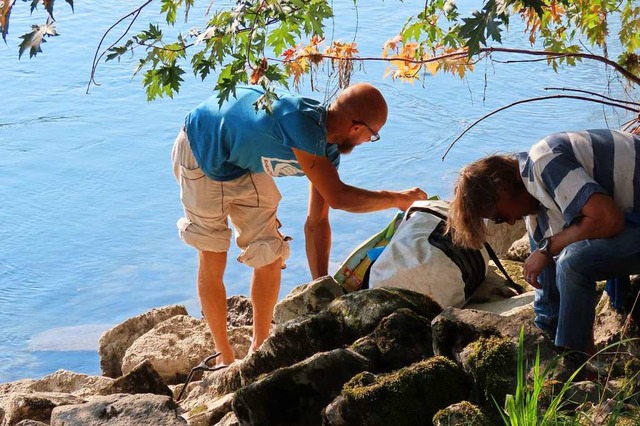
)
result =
(521, 408)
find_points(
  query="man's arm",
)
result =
(317, 232)
(601, 218)
(326, 181)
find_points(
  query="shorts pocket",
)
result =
(191, 174)
(201, 196)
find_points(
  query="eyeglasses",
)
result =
(374, 135)
(498, 220)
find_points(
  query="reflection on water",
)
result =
(89, 203)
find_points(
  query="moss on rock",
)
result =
(491, 362)
(410, 396)
(461, 414)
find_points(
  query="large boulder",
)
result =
(120, 410)
(455, 329)
(239, 311)
(406, 397)
(114, 342)
(399, 340)
(519, 250)
(307, 299)
(611, 326)
(296, 395)
(142, 379)
(173, 347)
(62, 381)
(345, 320)
(502, 236)
(16, 407)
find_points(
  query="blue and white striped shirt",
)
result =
(564, 169)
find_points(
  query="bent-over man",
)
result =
(225, 159)
(579, 193)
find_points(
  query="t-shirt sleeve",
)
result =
(301, 131)
(563, 179)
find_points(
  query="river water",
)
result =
(89, 202)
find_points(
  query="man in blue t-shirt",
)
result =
(579, 194)
(225, 159)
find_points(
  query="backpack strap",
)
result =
(490, 251)
(494, 257)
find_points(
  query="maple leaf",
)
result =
(48, 6)
(5, 11)
(35, 38)
(259, 71)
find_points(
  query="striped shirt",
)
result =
(564, 169)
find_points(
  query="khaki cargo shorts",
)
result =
(250, 202)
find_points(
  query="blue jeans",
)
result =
(565, 305)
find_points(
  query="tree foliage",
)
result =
(276, 42)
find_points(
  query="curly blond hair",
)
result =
(475, 194)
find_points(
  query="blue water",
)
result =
(89, 203)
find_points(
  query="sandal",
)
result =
(203, 366)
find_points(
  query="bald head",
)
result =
(363, 102)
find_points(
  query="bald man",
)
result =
(225, 160)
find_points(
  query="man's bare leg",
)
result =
(265, 286)
(213, 299)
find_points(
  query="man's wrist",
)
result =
(544, 247)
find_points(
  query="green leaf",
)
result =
(281, 38)
(170, 8)
(35, 38)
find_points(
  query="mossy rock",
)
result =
(491, 361)
(399, 340)
(410, 396)
(461, 414)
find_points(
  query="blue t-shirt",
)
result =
(232, 140)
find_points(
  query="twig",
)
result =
(541, 98)
(564, 89)
(135, 13)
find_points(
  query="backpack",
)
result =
(419, 256)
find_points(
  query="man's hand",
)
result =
(405, 198)
(534, 264)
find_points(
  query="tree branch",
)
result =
(541, 98)
(94, 65)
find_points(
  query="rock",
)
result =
(239, 311)
(461, 414)
(493, 288)
(519, 250)
(505, 307)
(346, 319)
(307, 299)
(501, 237)
(491, 363)
(120, 410)
(209, 413)
(229, 420)
(610, 323)
(410, 396)
(240, 340)
(399, 340)
(312, 384)
(33, 406)
(31, 423)
(115, 341)
(61, 381)
(454, 329)
(173, 347)
(142, 379)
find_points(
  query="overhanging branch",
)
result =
(541, 98)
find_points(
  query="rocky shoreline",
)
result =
(372, 357)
